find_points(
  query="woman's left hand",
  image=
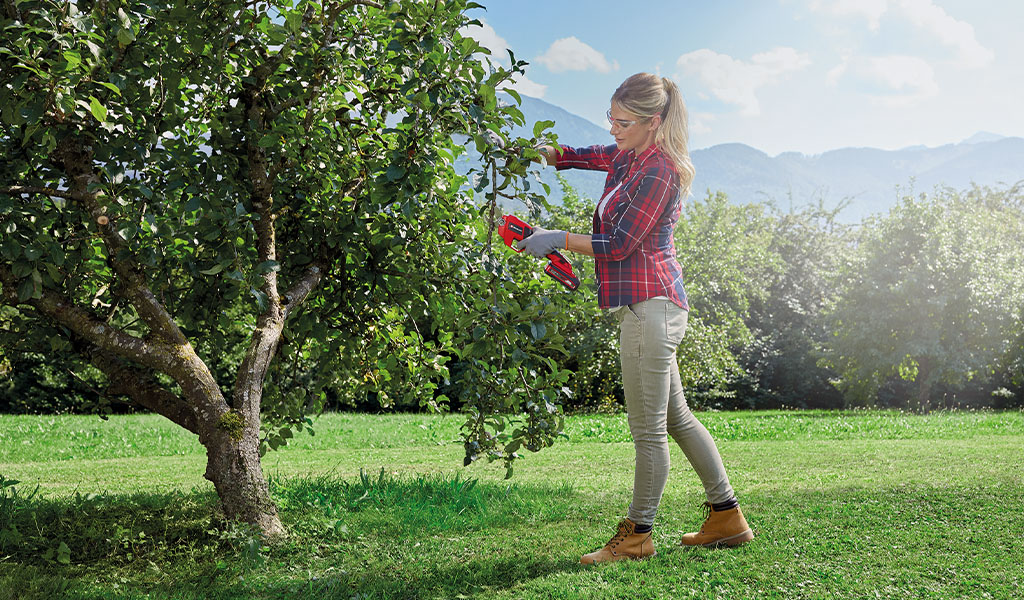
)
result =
(542, 242)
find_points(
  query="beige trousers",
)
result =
(649, 333)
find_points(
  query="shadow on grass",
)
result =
(174, 545)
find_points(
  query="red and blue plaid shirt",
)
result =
(636, 257)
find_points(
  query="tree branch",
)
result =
(143, 389)
(76, 161)
(12, 11)
(88, 327)
(298, 293)
(352, 3)
(52, 192)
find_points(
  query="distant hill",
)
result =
(867, 176)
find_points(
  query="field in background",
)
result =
(844, 504)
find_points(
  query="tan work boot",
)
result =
(727, 527)
(624, 544)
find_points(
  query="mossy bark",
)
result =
(236, 473)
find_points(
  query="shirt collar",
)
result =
(635, 160)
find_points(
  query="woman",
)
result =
(639, 278)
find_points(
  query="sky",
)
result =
(780, 75)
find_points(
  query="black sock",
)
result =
(643, 528)
(727, 505)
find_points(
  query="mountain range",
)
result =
(870, 179)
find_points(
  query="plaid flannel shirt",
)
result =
(632, 240)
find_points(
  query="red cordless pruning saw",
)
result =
(514, 229)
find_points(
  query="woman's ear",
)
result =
(655, 122)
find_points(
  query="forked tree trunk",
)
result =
(233, 451)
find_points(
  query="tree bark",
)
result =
(233, 466)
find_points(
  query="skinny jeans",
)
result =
(649, 333)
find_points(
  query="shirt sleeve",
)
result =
(593, 158)
(646, 200)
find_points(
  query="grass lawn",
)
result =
(843, 504)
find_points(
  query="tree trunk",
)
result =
(235, 470)
(924, 385)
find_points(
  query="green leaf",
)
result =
(10, 249)
(74, 59)
(21, 269)
(540, 126)
(214, 269)
(395, 172)
(294, 22)
(262, 302)
(269, 140)
(98, 110)
(487, 92)
(125, 36)
(26, 290)
(64, 554)
(110, 87)
(94, 49)
(539, 330)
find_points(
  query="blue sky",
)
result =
(782, 75)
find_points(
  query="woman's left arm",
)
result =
(579, 242)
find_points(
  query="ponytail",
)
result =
(673, 135)
(647, 96)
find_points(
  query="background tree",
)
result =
(781, 364)
(726, 255)
(224, 208)
(930, 294)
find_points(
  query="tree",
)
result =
(225, 208)
(788, 325)
(930, 294)
(725, 252)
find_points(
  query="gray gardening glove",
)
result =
(542, 242)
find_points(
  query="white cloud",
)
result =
(951, 32)
(908, 74)
(836, 73)
(570, 54)
(923, 14)
(735, 81)
(700, 122)
(489, 38)
(526, 86)
(897, 80)
(872, 10)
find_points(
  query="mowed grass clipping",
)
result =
(844, 505)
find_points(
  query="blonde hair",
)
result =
(647, 96)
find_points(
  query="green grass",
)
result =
(844, 504)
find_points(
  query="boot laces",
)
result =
(706, 508)
(621, 534)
